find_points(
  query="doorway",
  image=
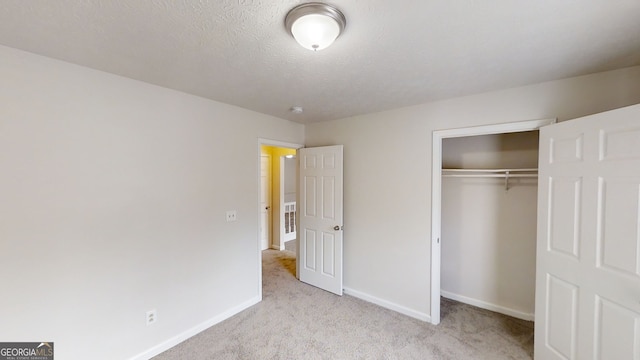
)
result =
(275, 194)
(436, 205)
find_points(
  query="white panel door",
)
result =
(320, 214)
(588, 256)
(265, 201)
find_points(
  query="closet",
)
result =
(489, 215)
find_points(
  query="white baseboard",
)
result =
(388, 305)
(488, 306)
(166, 345)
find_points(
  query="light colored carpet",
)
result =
(290, 246)
(298, 321)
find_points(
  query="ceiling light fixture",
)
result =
(315, 25)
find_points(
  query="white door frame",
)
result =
(436, 190)
(268, 142)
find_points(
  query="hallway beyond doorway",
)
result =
(290, 246)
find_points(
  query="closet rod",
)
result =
(492, 175)
(507, 174)
(490, 170)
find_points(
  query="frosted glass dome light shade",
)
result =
(315, 26)
(315, 32)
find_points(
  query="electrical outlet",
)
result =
(152, 317)
(232, 215)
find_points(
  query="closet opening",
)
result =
(488, 225)
(484, 192)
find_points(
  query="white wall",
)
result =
(388, 174)
(488, 234)
(113, 203)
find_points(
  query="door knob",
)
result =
(267, 208)
(336, 228)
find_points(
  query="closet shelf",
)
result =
(492, 173)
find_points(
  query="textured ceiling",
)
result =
(392, 53)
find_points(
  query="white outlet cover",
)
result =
(232, 215)
(152, 317)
